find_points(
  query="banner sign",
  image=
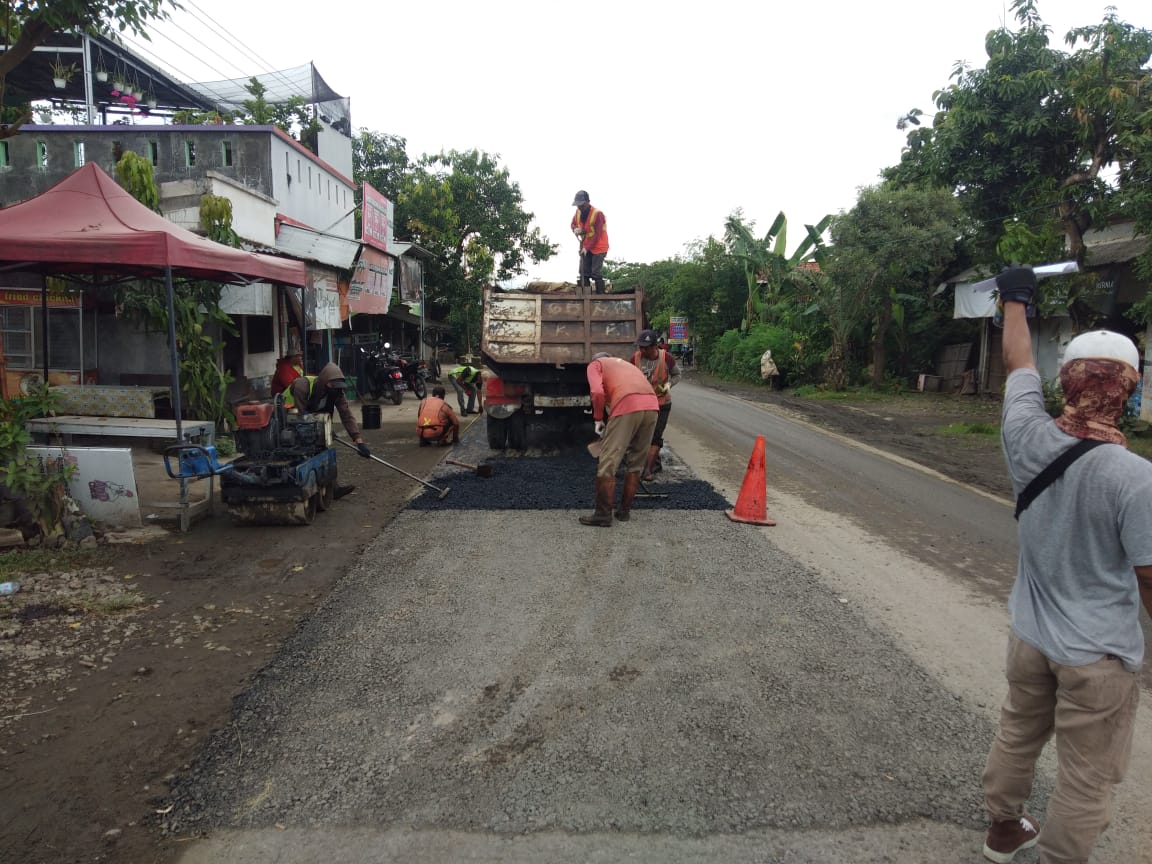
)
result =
(23, 297)
(371, 290)
(677, 331)
(375, 219)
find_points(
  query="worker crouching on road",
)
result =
(324, 394)
(660, 368)
(436, 422)
(1085, 569)
(626, 436)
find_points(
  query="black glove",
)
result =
(1017, 285)
(363, 450)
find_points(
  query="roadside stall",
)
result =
(90, 232)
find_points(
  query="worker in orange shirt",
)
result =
(626, 435)
(591, 229)
(436, 422)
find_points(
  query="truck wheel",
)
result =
(324, 496)
(497, 433)
(518, 431)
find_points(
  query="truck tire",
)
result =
(497, 433)
(518, 431)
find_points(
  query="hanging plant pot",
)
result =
(60, 83)
(118, 86)
(101, 75)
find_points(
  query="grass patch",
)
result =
(852, 394)
(1140, 443)
(19, 561)
(971, 429)
(107, 604)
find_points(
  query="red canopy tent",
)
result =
(88, 226)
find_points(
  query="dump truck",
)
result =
(536, 343)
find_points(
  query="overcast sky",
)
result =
(670, 115)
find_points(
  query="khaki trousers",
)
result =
(626, 437)
(1092, 711)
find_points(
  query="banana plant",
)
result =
(766, 262)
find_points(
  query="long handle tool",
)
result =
(375, 458)
(481, 470)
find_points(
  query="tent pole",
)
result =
(44, 326)
(170, 291)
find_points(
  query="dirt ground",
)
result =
(118, 660)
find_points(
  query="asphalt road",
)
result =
(495, 682)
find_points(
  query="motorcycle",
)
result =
(415, 373)
(384, 375)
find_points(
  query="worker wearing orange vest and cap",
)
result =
(662, 372)
(591, 228)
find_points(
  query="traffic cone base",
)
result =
(752, 502)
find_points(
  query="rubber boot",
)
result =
(599, 286)
(605, 497)
(650, 464)
(631, 481)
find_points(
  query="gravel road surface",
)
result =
(493, 681)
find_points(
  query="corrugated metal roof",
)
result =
(314, 246)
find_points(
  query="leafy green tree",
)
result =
(766, 261)
(24, 25)
(1029, 138)
(381, 160)
(464, 207)
(294, 117)
(890, 250)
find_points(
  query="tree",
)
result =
(464, 207)
(25, 25)
(888, 251)
(765, 260)
(1028, 139)
(380, 160)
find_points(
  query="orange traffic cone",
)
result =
(752, 503)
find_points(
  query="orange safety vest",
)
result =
(622, 379)
(429, 414)
(599, 242)
(659, 376)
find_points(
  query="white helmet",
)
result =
(1103, 345)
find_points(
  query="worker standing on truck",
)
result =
(436, 421)
(626, 436)
(591, 229)
(324, 394)
(467, 380)
(660, 368)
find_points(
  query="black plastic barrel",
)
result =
(370, 416)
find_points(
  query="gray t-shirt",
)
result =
(1076, 597)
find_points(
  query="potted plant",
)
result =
(62, 74)
(101, 71)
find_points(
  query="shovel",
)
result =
(481, 470)
(375, 458)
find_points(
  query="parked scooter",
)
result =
(415, 372)
(384, 375)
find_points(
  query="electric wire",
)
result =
(165, 64)
(218, 29)
(197, 40)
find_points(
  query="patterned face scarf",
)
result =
(1095, 392)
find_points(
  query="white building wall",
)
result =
(311, 194)
(253, 214)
